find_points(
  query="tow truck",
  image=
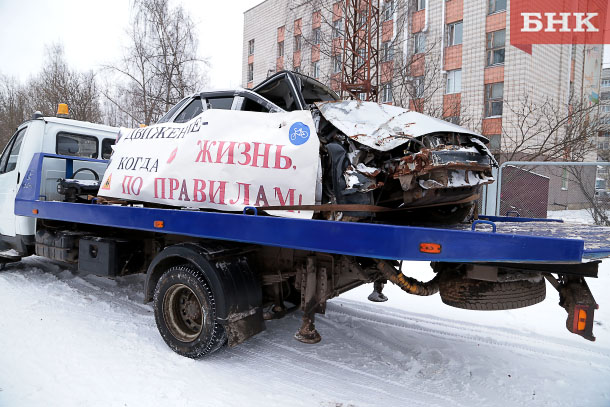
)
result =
(214, 278)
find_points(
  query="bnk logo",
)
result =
(558, 22)
(566, 22)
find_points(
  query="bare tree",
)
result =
(407, 66)
(58, 83)
(160, 66)
(13, 107)
(549, 131)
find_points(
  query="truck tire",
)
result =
(185, 312)
(465, 293)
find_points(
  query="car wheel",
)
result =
(466, 293)
(185, 312)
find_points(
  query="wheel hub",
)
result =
(183, 313)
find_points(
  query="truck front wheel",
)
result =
(185, 312)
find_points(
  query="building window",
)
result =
(420, 5)
(454, 81)
(453, 119)
(315, 69)
(251, 47)
(420, 42)
(363, 17)
(606, 108)
(605, 83)
(494, 94)
(495, 47)
(316, 36)
(496, 6)
(494, 142)
(297, 69)
(361, 57)
(387, 51)
(387, 12)
(418, 87)
(564, 179)
(280, 49)
(386, 93)
(250, 72)
(337, 64)
(454, 33)
(297, 42)
(337, 28)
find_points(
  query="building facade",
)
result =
(603, 140)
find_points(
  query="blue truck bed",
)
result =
(515, 240)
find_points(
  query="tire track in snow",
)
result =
(541, 340)
(385, 319)
(321, 373)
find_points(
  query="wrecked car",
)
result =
(376, 161)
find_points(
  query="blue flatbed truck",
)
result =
(214, 278)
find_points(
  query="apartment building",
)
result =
(603, 140)
(447, 58)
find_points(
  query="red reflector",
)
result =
(35, 211)
(159, 224)
(432, 248)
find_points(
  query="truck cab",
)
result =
(47, 135)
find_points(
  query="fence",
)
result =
(533, 189)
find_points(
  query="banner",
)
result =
(558, 22)
(222, 159)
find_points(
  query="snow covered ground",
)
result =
(67, 340)
(572, 216)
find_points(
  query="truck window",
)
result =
(8, 161)
(193, 109)
(107, 144)
(76, 145)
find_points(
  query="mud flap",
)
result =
(242, 326)
(576, 298)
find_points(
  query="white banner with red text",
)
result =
(222, 159)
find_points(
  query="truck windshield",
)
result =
(8, 162)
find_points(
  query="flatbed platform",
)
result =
(596, 238)
(519, 242)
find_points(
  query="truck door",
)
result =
(9, 178)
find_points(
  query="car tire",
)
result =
(185, 312)
(465, 293)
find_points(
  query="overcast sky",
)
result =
(93, 33)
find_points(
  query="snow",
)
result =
(572, 216)
(69, 340)
(383, 127)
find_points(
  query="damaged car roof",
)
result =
(384, 127)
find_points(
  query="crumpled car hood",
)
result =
(384, 127)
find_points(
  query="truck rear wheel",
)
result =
(466, 293)
(185, 312)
